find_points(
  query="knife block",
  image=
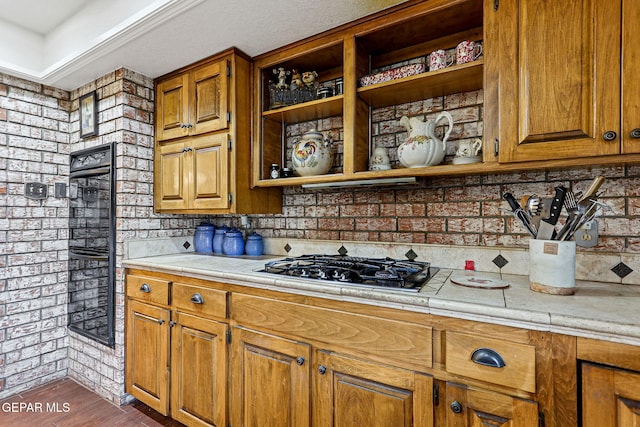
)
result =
(552, 266)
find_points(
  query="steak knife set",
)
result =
(540, 216)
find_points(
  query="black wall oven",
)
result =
(91, 297)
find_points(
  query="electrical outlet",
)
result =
(35, 190)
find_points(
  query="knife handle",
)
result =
(513, 203)
(593, 188)
(556, 205)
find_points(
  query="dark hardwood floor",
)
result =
(65, 403)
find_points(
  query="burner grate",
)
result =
(377, 272)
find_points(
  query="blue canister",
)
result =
(218, 238)
(254, 246)
(203, 239)
(233, 242)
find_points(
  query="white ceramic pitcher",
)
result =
(422, 147)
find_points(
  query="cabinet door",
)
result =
(198, 371)
(147, 367)
(209, 98)
(270, 381)
(610, 397)
(630, 80)
(479, 408)
(172, 108)
(170, 178)
(209, 172)
(351, 392)
(559, 89)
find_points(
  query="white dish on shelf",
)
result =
(466, 160)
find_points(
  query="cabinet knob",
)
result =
(187, 149)
(635, 133)
(300, 361)
(456, 407)
(609, 135)
(145, 288)
(322, 369)
(160, 321)
(173, 323)
(197, 299)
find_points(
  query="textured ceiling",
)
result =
(67, 43)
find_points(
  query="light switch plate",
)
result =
(61, 190)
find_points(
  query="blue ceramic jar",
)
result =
(254, 245)
(233, 242)
(203, 239)
(218, 238)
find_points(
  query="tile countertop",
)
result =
(597, 310)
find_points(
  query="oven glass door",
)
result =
(91, 305)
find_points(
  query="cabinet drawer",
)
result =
(148, 289)
(478, 357)
(196, 299)
(399, 343)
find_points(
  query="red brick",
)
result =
(382, 224)
(336, 223)
(360, 236)
(360, 210)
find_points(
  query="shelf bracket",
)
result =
(496, 147)
(496, 4)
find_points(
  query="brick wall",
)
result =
(34, 124)
(39, 127)
(467, 210)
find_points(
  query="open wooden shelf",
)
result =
(454, 79)
(316, 109)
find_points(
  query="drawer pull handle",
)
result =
(145, 288)
(197, 299)
(488, 357)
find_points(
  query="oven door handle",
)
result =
(92, 257)
(90, 172)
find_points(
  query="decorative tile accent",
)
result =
(186, 245)
(287, 248)
(342, 251)
(500, 261)
(411, 255)
(622, 270)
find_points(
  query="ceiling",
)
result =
(68, 43)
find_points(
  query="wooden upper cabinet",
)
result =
(630, 80)
(559, 78)
(193, 103)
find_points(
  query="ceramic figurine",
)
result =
(282, 77)
(309, 78)
(296, 80)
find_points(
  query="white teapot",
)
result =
(312, 155)
(422, 147)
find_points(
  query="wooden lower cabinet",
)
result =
(147, 364)
(270, 380)
(610, 397)
(176, 363)
(276, 383)
(353, 392)
(467, 406)
(198, 371)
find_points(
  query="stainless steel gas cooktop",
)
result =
(403, 275)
